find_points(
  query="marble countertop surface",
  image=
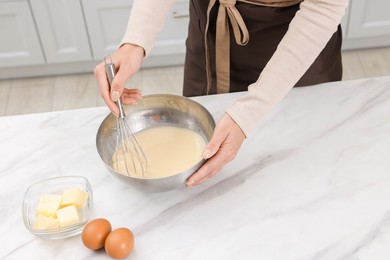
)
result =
(313, 182)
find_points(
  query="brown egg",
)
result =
(95, 233)
(119, 243)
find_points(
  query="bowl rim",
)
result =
(61, 232)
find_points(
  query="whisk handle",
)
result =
(110, 72)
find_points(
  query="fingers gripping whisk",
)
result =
(128, 158)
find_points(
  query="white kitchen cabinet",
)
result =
(368, 24)
(61, 27)
(370, 18)
(172, 38)
(107, 22)
(170, 47)
(51, 37)
(19, 42)
(344, 23)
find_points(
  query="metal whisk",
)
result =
(129, 158)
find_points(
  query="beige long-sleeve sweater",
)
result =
(308, 33)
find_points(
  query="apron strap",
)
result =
(227, 12)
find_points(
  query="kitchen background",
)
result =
(48, 49)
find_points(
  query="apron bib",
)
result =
(229, 43)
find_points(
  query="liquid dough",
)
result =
(169, 150)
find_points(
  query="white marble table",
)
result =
(313, 182)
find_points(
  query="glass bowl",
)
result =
(56, 186)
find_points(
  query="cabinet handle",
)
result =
(178, 15)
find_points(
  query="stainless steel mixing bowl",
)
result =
(152, 111)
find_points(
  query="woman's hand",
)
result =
(221, 149)
(127, 59)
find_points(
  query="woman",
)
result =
(263, 46)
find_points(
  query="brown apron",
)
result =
(266, 27)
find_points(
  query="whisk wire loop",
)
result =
(128, 152)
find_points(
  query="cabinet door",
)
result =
(62, 30)
(172, 39)
(344, 22)
(369, 18)
(107, 22)
(19, 44)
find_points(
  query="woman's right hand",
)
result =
(127, 59)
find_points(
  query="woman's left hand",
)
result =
(221, 149)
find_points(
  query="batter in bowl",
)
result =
(168, 149)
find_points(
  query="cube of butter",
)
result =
(49, 204)
(74, 197)
(68, 216)
(43, 222)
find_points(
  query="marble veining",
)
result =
(311, 183)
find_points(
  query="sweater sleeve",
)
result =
(308, 33)
(147, 18)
